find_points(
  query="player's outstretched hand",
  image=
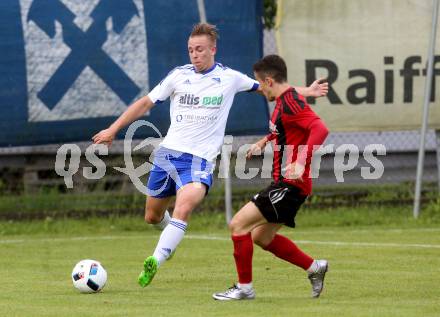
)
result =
(256, 148)
(253, 150)
(105, 136)
(319, 88)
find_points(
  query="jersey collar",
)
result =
(284, 92)
(208, 70)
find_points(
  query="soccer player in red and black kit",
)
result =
(296, 131)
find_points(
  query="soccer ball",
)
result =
(89, 276)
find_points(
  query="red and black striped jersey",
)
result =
(295, 128)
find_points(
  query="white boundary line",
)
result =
(372, 244)
(218, 238)
(339, 243)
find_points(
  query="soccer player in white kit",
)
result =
(201, 95)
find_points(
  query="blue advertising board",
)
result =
(69, 68)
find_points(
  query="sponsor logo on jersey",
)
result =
(188, 99)
(191, 118)
(212, 101)
(193, 100)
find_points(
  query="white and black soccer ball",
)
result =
(89, 276)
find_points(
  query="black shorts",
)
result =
(279, 202)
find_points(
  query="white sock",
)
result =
(245, 287)
(169, 239)
(164, 222)
(314, 267)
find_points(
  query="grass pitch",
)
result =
(375, 270)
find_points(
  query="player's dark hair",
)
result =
(205, 29)
(272, 66)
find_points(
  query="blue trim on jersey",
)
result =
(157, 102)
(209, 70)
(186, 67)
(221, 66)
(254, 87)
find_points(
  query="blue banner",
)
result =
(70, 68)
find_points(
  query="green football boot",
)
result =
(150, 269)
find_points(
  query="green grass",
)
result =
(356, 217)
(50, 202)
(388, 266)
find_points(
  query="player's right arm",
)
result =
(133, 112)
(136, 110)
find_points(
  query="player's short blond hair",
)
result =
(205, 29)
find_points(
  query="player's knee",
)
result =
(236, 227)
(151, 217)
(232, 225)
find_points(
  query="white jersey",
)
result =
(200, 104)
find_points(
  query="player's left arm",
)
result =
(317, 133)
(319, 88)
